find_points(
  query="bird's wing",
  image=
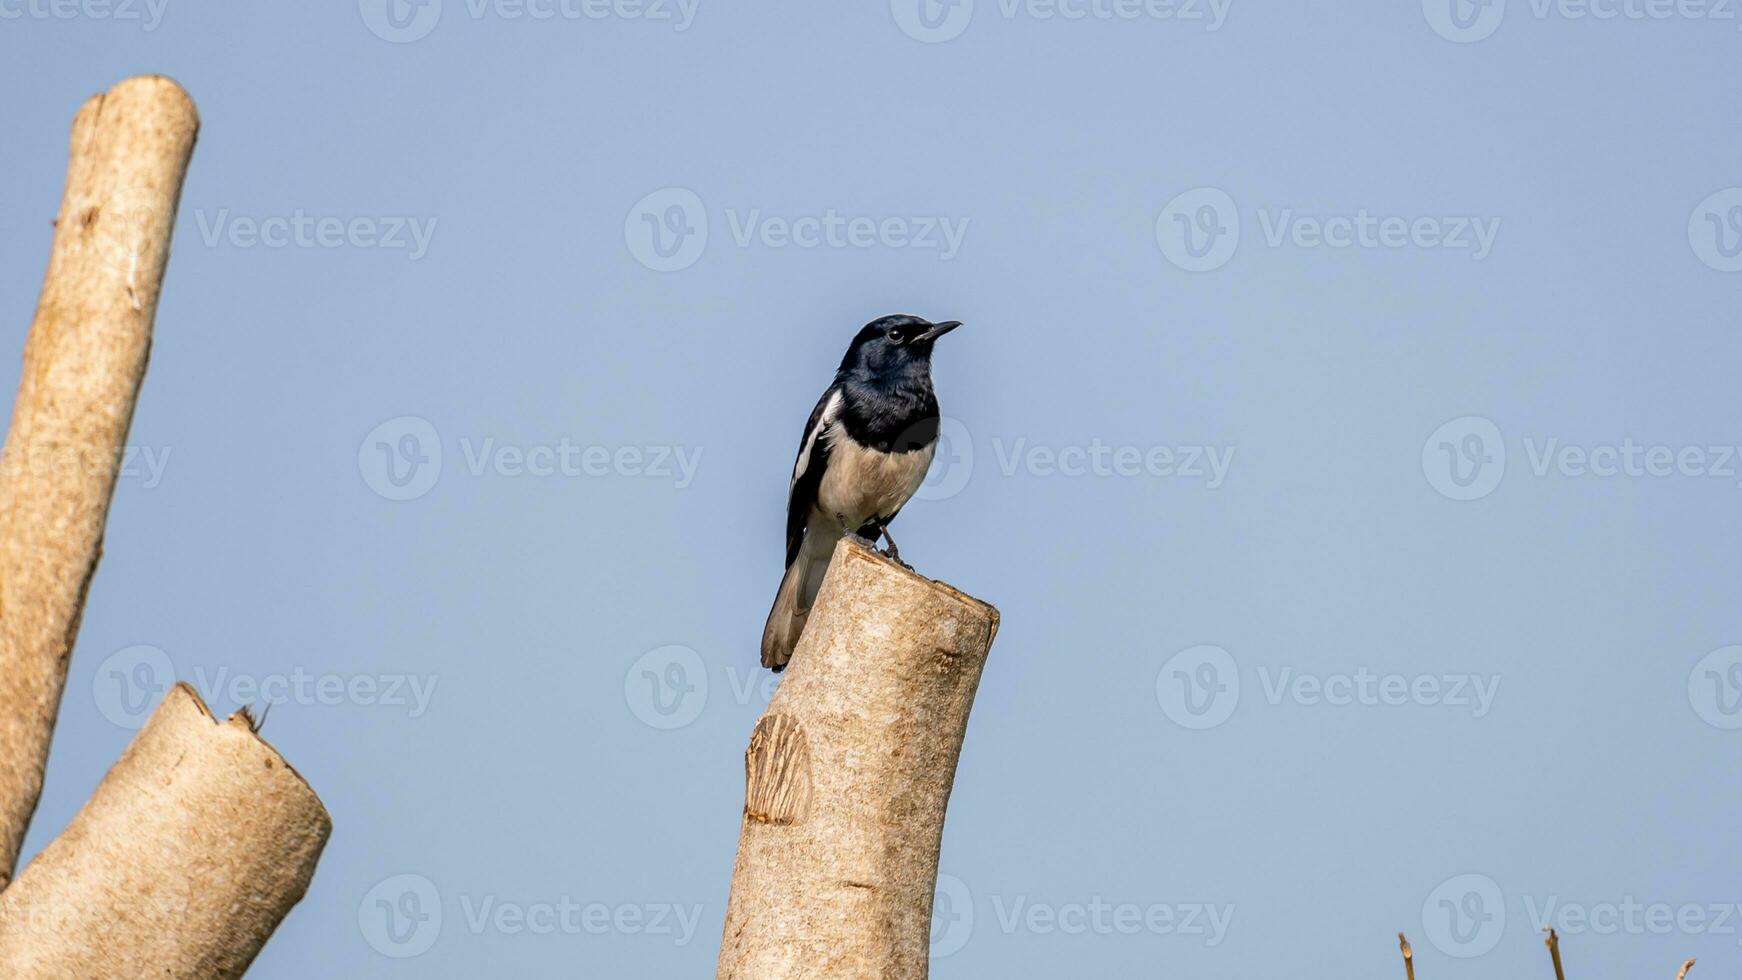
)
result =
(807, 470)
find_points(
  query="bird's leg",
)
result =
(892, 551)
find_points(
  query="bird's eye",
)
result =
(895, 335)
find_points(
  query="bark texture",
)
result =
(181, 864)
(83, 362)
(848, 775)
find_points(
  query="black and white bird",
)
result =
(865, 451)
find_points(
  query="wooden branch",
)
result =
(848, 774)
(1553, 942)
(82, 366)
(181, 864)
(1688, 965)
(1408, 957)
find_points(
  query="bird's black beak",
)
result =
(938, 330)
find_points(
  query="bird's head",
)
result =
(892, 345)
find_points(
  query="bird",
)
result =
(864, 453)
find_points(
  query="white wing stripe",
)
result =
(831, 412)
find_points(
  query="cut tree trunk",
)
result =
(83, 363)
(848, 774)
(201, 837)
(181, 864)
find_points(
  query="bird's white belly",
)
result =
(861, 484)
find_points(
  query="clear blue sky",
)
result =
(488, 337)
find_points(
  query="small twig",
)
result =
(1685, 968)
(1408, 956)
(1553, 942)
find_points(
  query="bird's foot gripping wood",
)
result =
(892, 552)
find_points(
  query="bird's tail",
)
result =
(786, 620)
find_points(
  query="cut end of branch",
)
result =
(1553, 942)
(1685, 968)
(244, 719)
(858, 548)
(157, 90)
(1408, 956)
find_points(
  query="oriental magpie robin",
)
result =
(865, 451)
